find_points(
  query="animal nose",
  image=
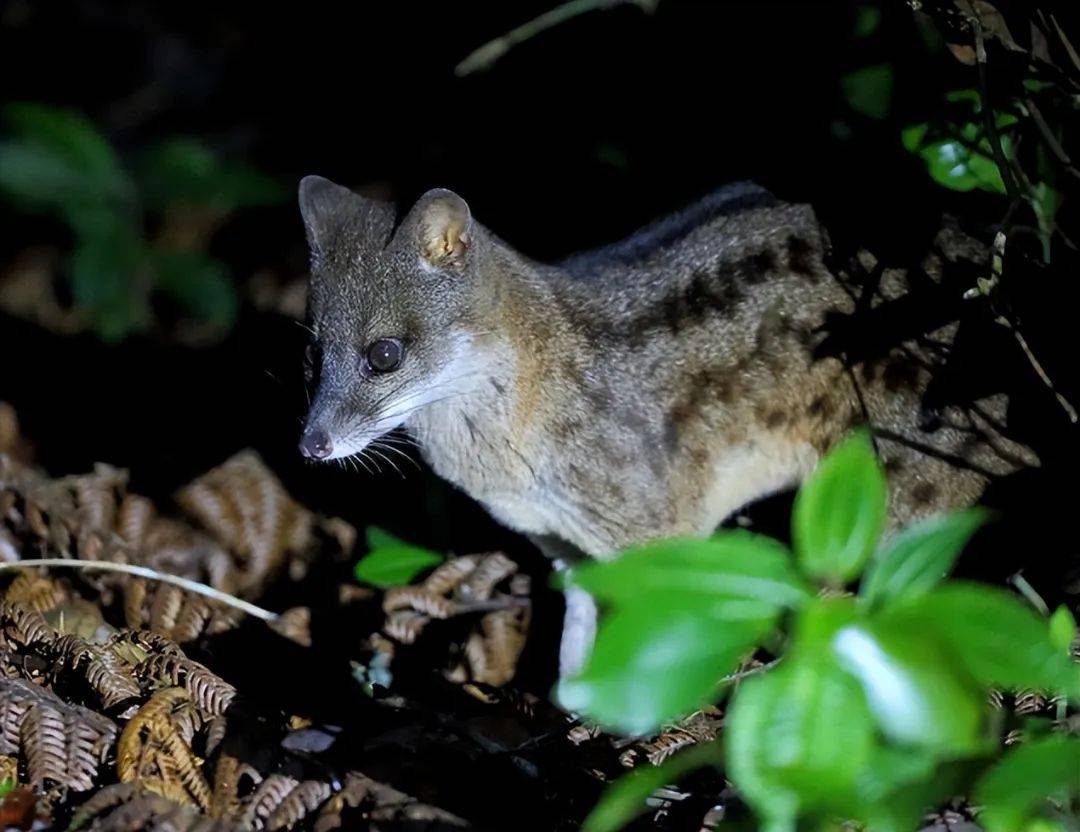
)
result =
(316, 444)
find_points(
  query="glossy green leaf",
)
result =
(1062, 629)
(998, 638)
(800, 740)
(625, 799)
(917, 558)
(6, 786)
(737, 574)
(1019, 784)
(819, 742)
(392, 562)
(916, 695)
(749, 716)
(655, 661)
(869, 90)
(840, 512)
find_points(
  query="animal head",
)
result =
(389, 309)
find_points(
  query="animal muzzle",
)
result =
(316, 443)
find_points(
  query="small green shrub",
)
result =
(876, 709)
(56, 162)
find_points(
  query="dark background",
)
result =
(574, 138)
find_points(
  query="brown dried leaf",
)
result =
(61, 743)
(36, 591)
(262, 803)
(210, 692)
(153, 751)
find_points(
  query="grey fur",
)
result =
(644, 390)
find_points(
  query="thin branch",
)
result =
(1000, 159)
(144, 572)
(490, 52)
(1066, 405)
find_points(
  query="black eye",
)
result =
(385, 355)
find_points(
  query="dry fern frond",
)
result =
(489, 571)
(61, 743)
(104, 670)
(700, 727)
(210, 692)
(266, 799)
(35, 591)
(493, 651)
(227, 799)
(298, 804)
(295, 625)
(9, 769)
(244, 505)
(449, 574)
(381, 803)
(153, 751)
(417, 599)
(405, 625)
(128, 808)
(23, 626)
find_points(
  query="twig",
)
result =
(1028, 591)
(144, 572)
(490, 52)
(1050, 140)
(1007, 174)
(753, 671)
(1066, 405)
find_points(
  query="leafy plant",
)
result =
(56, 162)
(876, 707)
(957, 151)
(391, 561)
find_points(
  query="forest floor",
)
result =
(127, 703)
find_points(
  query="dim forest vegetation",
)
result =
(201, 630)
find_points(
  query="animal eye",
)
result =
(385, 355)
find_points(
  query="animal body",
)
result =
(647, 389)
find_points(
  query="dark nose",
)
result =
(316, 444)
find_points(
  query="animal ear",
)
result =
(325, 206)
(444, 228)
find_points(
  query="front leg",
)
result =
(579, 621)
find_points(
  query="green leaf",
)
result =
(185, 170)
(920, 556)
(993, 634)
(105, 270)
(867, 21)
(199, 284)
(377, 538)
(734, 574)
(624, 799)
(1018, 784)
(6, 786)
(800, 740)
(1062, 629)
(868, 91)
(840, 511)
(394, 565)
(750, 716)
(915, 693)
(59, 150)
(656, 661)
